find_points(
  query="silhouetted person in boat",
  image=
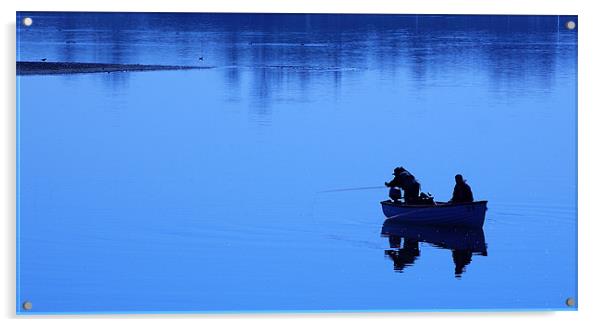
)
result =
(462, 192)
(407, 182)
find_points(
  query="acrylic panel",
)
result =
(197, 163)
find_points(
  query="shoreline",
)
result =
(58, 68)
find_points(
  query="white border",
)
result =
(589, 157)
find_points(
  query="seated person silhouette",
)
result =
(462, 192)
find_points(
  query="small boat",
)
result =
(470, 214)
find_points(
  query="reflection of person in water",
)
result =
(461, 259)
(462, 192)
(404, 256)
(407, 182)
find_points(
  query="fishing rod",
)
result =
(353, 189)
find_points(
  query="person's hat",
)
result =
(398, 170)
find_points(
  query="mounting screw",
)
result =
(27, 21)
(27, 305)
(571, 25)
(570, 302)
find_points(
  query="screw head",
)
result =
(571, 25)
(27, 21)
(570, 302)
(27, 305)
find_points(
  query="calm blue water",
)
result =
(204, 190)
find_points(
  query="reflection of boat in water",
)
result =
(458, 238)
(470, 214)
(463, 242)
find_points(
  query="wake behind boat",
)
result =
(469, 214)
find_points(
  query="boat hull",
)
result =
(470, 215)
